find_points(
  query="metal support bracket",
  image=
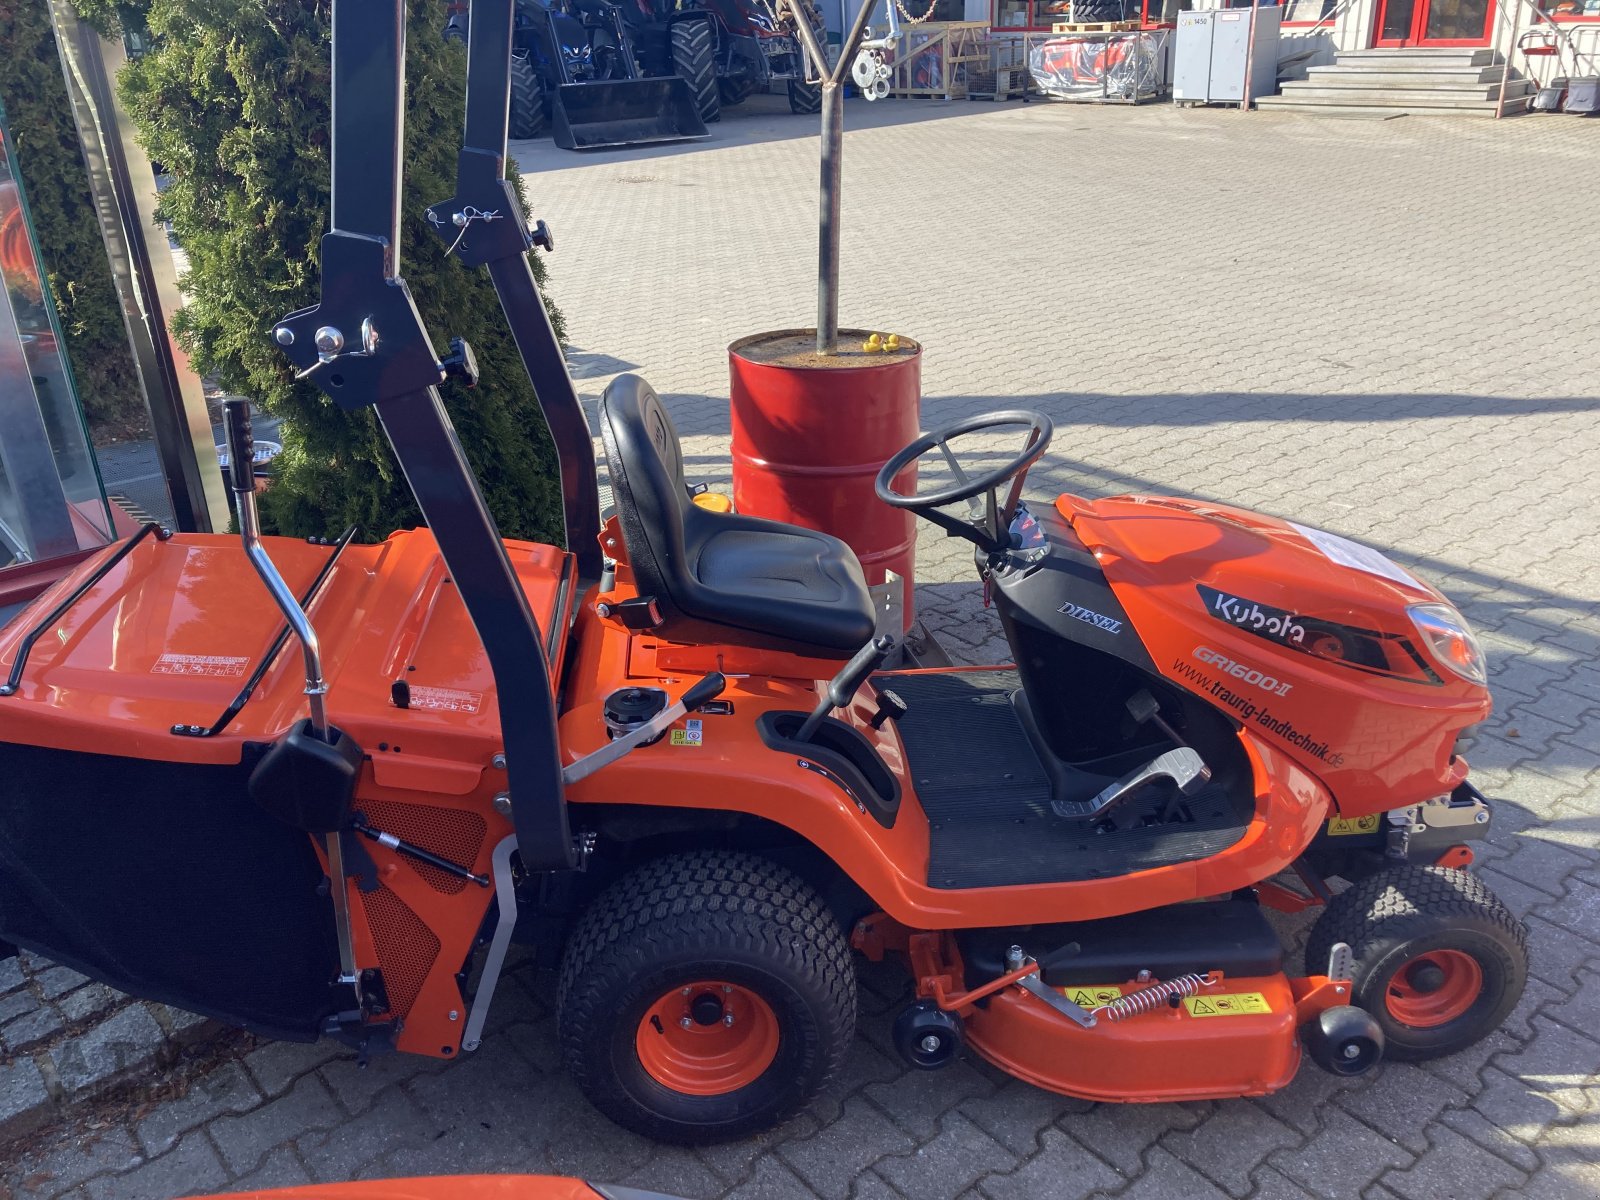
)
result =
(506, 900)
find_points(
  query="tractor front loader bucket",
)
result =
(625, 112)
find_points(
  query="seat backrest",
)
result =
(652, 496)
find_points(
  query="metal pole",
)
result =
(828, 230)
(1505, 72)
(828, 217)
(1249, 60)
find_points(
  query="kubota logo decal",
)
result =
(1275, 624)
(1089, 617)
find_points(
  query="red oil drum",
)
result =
(810, 434)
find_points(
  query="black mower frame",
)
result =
(365, 345)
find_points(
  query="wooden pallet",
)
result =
(1093, 26)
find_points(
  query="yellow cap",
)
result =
(714, 502)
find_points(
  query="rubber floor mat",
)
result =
(987, 796)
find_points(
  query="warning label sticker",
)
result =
(1091, 995)
(446, 699)
(1227, 1004)
(1345, 826)
(217, 665)
(691, 734)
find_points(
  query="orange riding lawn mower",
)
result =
(318, 789)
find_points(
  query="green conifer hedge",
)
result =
(234, 99)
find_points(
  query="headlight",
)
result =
(1450, 639)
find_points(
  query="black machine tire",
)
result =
(804, 98)
(1394, 919)
(527, 99)
(716, 915)
(733, 89)
(694, 60)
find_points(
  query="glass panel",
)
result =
(1396, 21)
(1456, 20)
(1011, 14)
(51, 501)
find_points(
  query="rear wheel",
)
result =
(694, 60)
(734, 89)
(1439, 961)
(527, 99)
(805, 97)
(704, 997)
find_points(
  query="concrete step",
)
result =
(1384, 76)
(1291, 104)
(1341, 93)
(1425, 59)
(1458, 91)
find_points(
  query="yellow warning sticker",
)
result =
(1227, 1004)
(1089, 995)
(692, 734)
(1345, 826)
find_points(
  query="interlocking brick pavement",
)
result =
(1382, 328)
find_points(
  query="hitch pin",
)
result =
(417, 852)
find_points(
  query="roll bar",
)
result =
(364, 344)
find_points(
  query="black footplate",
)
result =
(988, 796)
(1231, 936)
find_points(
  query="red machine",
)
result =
(668, 756)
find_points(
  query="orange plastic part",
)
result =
(1377, 740)
(707, 1053)
(437, 1187)
(1459, 984)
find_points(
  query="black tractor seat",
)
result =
(723, 577)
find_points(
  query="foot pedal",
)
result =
(1182, 766)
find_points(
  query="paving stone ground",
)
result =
(1381, 328)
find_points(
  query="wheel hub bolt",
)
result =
(728, 1020)
(686, 1022)
(1352, 1051)
(931, 1043)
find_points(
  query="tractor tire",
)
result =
(804, 98)
(734, 89)
(1439, 961)
(527, 99)
(705, 996)
(694, 60)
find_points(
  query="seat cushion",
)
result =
(723, 577)
(780, 580)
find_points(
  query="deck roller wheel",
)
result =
(1439, 961)
(927, 1036)
(704, 997)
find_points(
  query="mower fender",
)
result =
(1240, 1038)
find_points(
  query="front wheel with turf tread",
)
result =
(750, 925)
(694, 60)
(527, 99)
(1410, 928)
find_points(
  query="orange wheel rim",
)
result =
(707, 1038)
(1434, 988)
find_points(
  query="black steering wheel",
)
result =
(1040, 429)
(989, 534)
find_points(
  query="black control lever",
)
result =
(842, 687)
(241, 446)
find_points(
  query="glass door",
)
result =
(1435, 22)
(51, 502)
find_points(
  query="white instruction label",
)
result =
(217, 665)
(446, 700)
(1353, 554)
